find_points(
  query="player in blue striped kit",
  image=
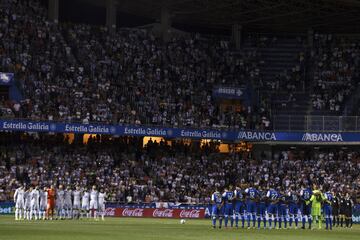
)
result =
(272, 196)
(239, 207)
(252, 196)
(228, 197)
(261, 208)
(328, 209)
(305, 195)
(282, 210)
(293, 200)
(217, 208)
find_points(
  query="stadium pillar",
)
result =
(53, 11)
(236, 35)
(165, 23)
(111, 15)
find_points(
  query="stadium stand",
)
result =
(182, 172)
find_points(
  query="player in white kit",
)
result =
(68, 202)
(94, 201)
(102, 201)
(60, 199)
(85, 203)
(27, 205)
(19, 203)
(43, 204)
(34, 204)
(77, 201)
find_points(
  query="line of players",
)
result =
(50, 203)
(277, 208)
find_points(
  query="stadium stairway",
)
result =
(290, 115)
(279, 56)
(288, 110)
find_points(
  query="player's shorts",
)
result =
(335, 211)
(216, 210)
(293, 209)
(348, 213)
(342, 211)
(35, 206)
(76, 205)
(93, 205)
(101, 207)
(43, 206)
(261, 209)
(60, 205)
(273, 209)
(240, 208)
(67, 205)
(306, 209)
(251, 207)
(85, 207)
(51, 204)
(27, 206)
(316, 211)
(229, 210)
(327, 210)
(282, 210)
(19, 204)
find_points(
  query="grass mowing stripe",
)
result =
(159, 229)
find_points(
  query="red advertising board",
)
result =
(155, 212)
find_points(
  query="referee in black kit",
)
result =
(346, 209)
(336, 209)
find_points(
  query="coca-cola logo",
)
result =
(110, 212)
(190, 214)
(136, 212)
(163, 213)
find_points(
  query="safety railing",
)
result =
(314, 123)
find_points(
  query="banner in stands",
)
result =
(155, 212)
(229, 92)
(6, 78)
(7, 208)
(251, 136)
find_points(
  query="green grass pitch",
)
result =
(159, 229)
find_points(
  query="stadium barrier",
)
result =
(230, 136)
(155, 213)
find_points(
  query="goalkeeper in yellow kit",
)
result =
(316, 199)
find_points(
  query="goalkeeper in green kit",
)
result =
(316, 199)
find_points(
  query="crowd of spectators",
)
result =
(76, 72)
(181, 172)
(84, 73)
(336, 62)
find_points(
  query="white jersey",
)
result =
(35, 197)
(43, 200)
(102, 198)
(94, 199)
(67, 196)
(94, 195)
(77, 198)
(85, 199)
(60, 195)
(27, 198)
(102, 201)
(60, 198)
(19, 198)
